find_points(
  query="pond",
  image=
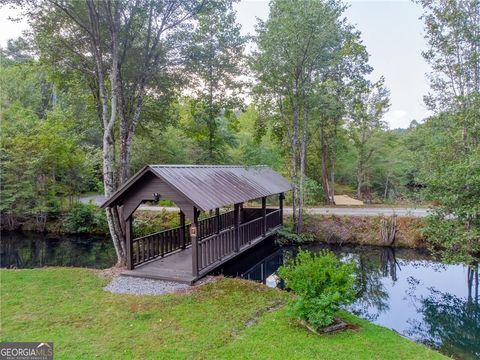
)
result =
(31, 250)
(405, 290)
(402, 289)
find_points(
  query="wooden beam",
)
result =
(194, 237)
(129, 242)
(264, 215)
(280, 200)
(183, 239)
(236, 224)
(217, 219)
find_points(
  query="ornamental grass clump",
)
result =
(322, 283)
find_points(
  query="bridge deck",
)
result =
(177, 266)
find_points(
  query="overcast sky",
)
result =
(391, 31)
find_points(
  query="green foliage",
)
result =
(216, 64)
(255, 147)
(322, 284)
(106, 322)
(370, 103)
(286, 236)
(447, 168)
(44, 159)
(313, 192)
(454, 230)
(146, 223)
(448, 150)
(85, 218)
(212, 130)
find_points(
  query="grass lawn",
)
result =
(227, 319)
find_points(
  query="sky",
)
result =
(393, 35)
(391, 31)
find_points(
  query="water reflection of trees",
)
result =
(388, 263)
(449, 322)
(25, 250)
(372, 295)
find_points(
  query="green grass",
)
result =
(227, 319)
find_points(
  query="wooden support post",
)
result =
(280, 200)
(129, 242)
(236, 224)
(264, 215)
(217, 219)
(241, 214)
(183, 240)
(193, 236)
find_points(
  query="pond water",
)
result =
(31, 250)
(402, 289)
(405, 290)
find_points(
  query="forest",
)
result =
(94, 91)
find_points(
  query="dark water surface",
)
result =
(402, 289)
(31, 250)
(405, 290)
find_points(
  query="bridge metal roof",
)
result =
(211, 186)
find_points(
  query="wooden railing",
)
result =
(215, 247)
(273, 219)
(213, 244)
(211, 225)
(250, 231)
(149, 247)
(218, 246)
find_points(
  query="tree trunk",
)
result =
(324, 160)
(360, 173)
(333, 161)
(303, 154)
(294, 146)
(359, 185)
(109, 115)
(385, 194)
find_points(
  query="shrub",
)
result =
(149, 222)
(286, 236)
(322, 284)
(85, 218)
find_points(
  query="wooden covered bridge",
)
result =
(199, 245)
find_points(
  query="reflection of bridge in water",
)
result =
(259, 264)
(263, 270)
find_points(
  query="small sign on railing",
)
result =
(193, 231)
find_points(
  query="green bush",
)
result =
(286, 236)
(150, 222)
(85, 218)
(322, 284)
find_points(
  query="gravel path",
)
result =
(139, 286)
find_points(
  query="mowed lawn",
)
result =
(226, 319)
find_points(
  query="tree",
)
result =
(453, 35)
(331, 97)
(212, 131)
(122, 51)
(368, 106)
(216, 63)
(41, 162)
(450, 155)
(296, 46)
(256, 146)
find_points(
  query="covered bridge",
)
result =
(200, 243)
